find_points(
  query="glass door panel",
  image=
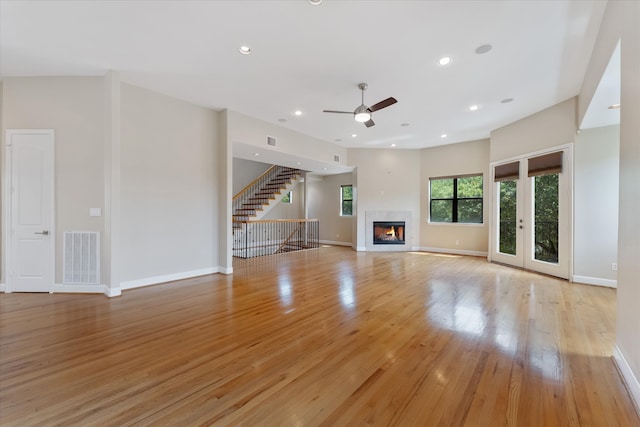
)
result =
(545, 227)
(507, 232)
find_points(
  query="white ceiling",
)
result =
(312, 58)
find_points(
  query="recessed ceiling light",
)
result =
(315, 2)
(281, 120)
(245, 50)
(444, 135)
(613, 107)
(404, 124)
(256, 154)
(297, 113)
(483, 49)
(353, 135)
(473, 108)
(393, 145)
(298, 163)
(445, 60)
(324, 169)
(507, 100)
(338, 139)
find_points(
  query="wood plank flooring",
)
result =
(326, 337)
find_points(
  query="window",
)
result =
(456, 199)
(287, 198)
(346, 200)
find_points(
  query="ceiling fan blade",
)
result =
(369, 123)
(340, 112)
(382, 104)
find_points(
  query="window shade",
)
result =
(546, 165)
(507, 172)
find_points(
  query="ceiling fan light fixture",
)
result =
(362, 117)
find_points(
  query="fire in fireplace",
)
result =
(388, 233)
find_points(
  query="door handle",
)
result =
(44, 233)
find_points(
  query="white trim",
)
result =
(138, 283)
(595, 281)
(111, 292)
(453, 251)
(630, 380)
(335, 243)
(3, 288)
(224, 270)
(359, 248)
(80, 289)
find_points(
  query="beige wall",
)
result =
(74, 108)
(455, 159)
(169, 185)
(388, 180)
(245, 171)
(548, 128)
(596, 156)
(251, 131)
(621, 21)
(324, 205)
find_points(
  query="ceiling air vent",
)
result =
(271, 141)
(336, 158)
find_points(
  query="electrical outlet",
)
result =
(614, 266)
(457, 242)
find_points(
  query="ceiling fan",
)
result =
(362, 114)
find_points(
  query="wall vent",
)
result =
(336, 158)
(271, 141)
(81, 258)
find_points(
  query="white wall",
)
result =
(74, 108)
(324, 205)
(548, 128)
(596, 157)
(293, 210)
(455, 159)
(245, 171)
(621, 21)
(388, 180)
(170, 188)
(251, 131)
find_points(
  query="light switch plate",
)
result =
(95, 211)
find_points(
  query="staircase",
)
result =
(255, 200)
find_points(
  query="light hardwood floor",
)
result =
(326, 337)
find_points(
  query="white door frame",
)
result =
(564, 268)
(7, 205)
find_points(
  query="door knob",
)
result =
(44, 233)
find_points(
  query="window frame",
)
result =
(454, 200)
(342, 200)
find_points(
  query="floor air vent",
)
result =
(81, 258)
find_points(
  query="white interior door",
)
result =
(531, 221)
(31, 255)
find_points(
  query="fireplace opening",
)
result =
(388, 232)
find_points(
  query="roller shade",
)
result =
(507, 172)
(545, 165)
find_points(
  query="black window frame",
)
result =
(342, 200)
(455, 199)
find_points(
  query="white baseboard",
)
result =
(453, 251)
(335, 243)
(225, 270)
(111, 292)
(632, 383)
(138, 283)
(595, 281)
(78, 289)
(3, 287)
(360, 248)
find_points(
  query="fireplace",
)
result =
(388, 232)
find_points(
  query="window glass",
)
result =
(456, 199)
(346, 200)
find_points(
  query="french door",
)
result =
(531, 216)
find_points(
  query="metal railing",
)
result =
(268, 237)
